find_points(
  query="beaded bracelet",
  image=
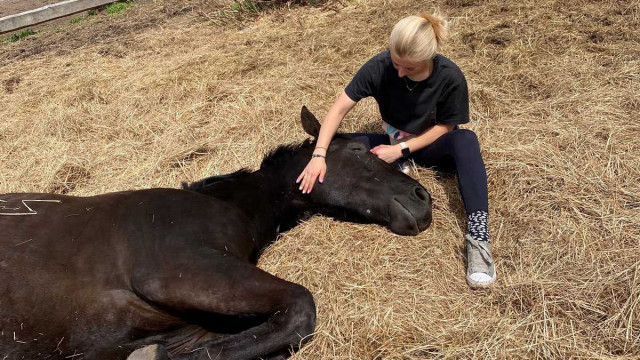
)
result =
(318, 155)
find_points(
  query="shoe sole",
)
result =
(479, 284)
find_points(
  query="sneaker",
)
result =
(405, 167)
(481, 270)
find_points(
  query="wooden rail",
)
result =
(48, 12)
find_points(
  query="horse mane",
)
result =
(205, 183)
(276, 158)
(284, 154)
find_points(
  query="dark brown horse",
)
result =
(171, 273)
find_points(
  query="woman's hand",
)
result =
(388, 153)
(316, 169)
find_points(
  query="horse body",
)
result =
(73, 291)
(99, 277)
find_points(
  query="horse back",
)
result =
(135, 223)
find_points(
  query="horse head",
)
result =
(360, 187)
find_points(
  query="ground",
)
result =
(172, 91)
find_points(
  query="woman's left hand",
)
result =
(388, 153)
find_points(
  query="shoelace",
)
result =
(482, 249)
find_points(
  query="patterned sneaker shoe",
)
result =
(481, 270)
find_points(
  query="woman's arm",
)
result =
(337, 112)
(391, 153)
(428, 137)
(317, 167)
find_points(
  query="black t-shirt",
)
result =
(442, 98)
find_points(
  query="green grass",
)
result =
(251, 6)
(19, 36)
(84, 17)
(118, 7)
(255, 6)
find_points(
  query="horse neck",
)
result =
(266, 197)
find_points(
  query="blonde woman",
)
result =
(422, 97)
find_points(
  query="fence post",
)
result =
(48, 12)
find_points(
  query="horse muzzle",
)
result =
(410, 214)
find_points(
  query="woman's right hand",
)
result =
(315, 170)
(317, 167)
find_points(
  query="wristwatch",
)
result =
(405, 149)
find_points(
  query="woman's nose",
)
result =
(401, 72)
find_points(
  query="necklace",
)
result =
(407, 84)
(428, 72)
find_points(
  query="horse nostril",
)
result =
(421, 193)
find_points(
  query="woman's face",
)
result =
(409, 67)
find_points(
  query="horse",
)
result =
(159, 274)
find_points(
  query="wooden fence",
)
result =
(48, 12)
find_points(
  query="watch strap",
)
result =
(405, 149)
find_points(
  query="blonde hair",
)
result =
(418, 37)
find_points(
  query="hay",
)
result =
(176, 91)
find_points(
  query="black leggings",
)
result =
(456, 151)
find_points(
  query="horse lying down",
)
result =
(170, 274)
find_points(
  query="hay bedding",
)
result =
(174, 91)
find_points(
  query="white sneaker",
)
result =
(481, 270)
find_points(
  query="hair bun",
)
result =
(418, 37)
(439, 24)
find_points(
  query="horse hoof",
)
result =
(150, 352)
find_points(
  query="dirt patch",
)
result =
(60, 37)
(10, 83)
(67, 178)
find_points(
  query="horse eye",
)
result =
(357, 148)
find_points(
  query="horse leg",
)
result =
(149, 348)
(149, 352)
(222, 286)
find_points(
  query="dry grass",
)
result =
(173, 91)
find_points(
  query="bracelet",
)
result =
(320, 147)
(318, 155)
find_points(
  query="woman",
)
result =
(422, 97)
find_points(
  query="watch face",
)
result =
(406, 152)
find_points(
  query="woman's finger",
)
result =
(305, 185)
(312, 181)
(303, 181)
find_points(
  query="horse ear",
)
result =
(309, 122)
